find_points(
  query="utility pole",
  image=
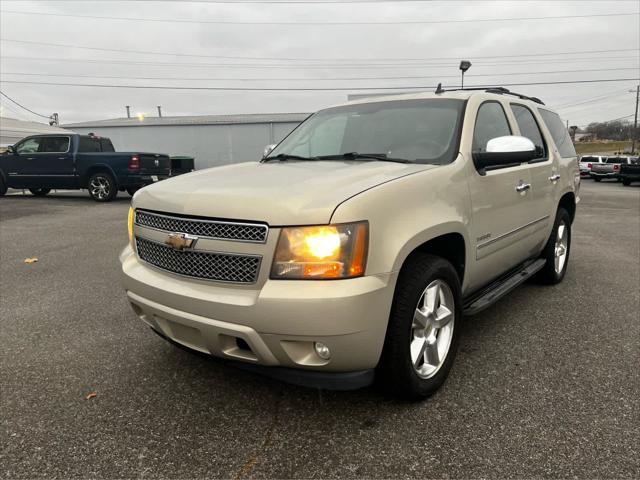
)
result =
(634, 134)
(128, 111)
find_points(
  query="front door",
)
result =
(502, 210)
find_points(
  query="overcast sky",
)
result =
(296, 54)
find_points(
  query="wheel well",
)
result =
(568, 202)
(451, 247)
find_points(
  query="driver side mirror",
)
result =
(507, 150)
(267, 149)
(11, 150)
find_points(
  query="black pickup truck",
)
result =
(630, 172)
(43, 162)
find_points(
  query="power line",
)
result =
(235, 57)
(22, 106)
(588, 103)
(307, 79)
(303, 23)
(606, 121)
(306, 66)
(305, 89)
(610, 94)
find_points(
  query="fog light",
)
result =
(322, 350)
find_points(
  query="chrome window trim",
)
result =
(217, 222)
(516, 230)
(190, 277)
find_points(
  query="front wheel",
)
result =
(39, 192)
(102, 187)
(556, 251)
(424, 328)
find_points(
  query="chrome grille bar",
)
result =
(215, 229)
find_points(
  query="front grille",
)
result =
(221, 267)
(246, 232)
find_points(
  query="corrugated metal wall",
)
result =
(211, 145)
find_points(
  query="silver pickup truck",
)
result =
(610, 168)
(354, 248)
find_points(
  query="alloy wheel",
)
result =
(432, 329)
(562, 243)
(100, 187)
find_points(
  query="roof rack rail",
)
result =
(498, 90)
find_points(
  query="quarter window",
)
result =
(529, 128)
(491, 122)
(559, 133)
(30, 145)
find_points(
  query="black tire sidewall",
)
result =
(113, 190)
(396, 371)
(3, 186)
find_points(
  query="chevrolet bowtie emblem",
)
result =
(181, 241)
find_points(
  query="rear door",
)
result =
(544, 174)
(54, 162)
(502, 213)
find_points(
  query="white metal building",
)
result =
(12, 130)
(211, 139)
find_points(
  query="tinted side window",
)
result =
(529, 128)
(559, 133)
(491, 122)
(55, 145)
(30, 145)
(106, 145)
(88, 145)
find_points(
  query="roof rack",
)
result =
(498, 90)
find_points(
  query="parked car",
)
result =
(40, 163)
(610, 168)
(630, 171)
(354, 248)
(587, 162)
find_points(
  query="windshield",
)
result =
(420, 131)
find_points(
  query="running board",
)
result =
(499, 288)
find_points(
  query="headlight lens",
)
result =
(130, 225)
(322, 252)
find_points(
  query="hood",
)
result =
(278, 193)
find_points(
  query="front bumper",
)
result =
(273, 324)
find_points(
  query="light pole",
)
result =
(634, 134)
(464, 66)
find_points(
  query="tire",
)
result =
(102, 187)
(132, 190)
(39, 192)
(557, 260)
(398, 373)
(597, 179)
(626, 182)
(3, 187)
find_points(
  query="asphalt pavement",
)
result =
(546, 382)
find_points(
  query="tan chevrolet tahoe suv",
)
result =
(355, 247)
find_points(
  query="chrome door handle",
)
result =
(31, 158)
(523, 187)
(554, 178)
(62, 158)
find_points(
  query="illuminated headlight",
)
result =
(322, 252)
(130, 225)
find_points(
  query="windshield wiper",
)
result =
(285, 156)
(383, 157)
